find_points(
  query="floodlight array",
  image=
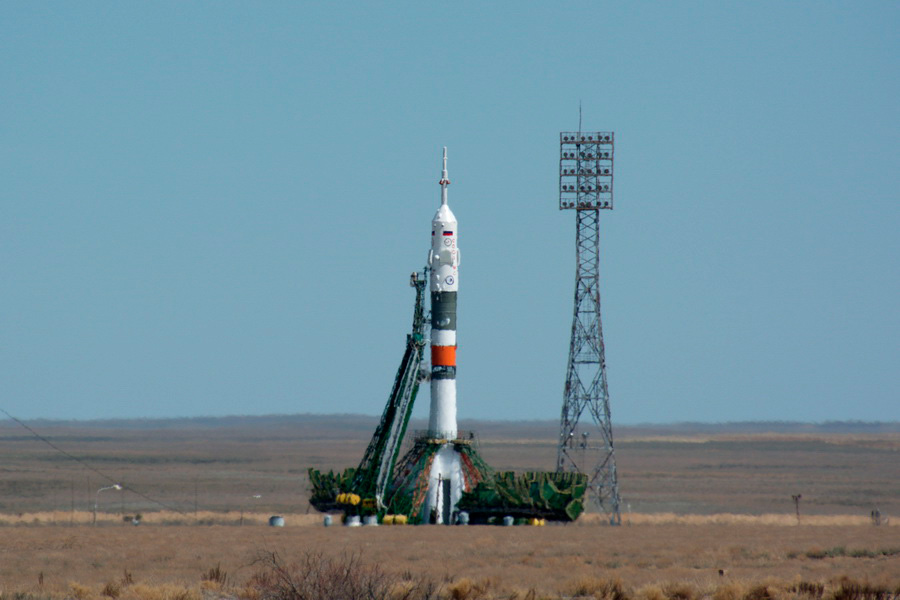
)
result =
(586, 170)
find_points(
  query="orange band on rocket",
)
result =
(443, 356)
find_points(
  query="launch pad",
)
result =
(418, 488)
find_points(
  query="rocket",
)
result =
(443, 260)
(446, 481)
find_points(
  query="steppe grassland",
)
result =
(259, 465)
(205, 518)
(694, 504)
(48, 560)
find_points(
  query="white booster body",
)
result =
(445, 481)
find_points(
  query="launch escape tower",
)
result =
(585, 186)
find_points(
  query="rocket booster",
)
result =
(443, 259)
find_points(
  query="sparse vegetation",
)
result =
(855, 553)
(599, 588)
(216, 575)
(808, 589)
(297, 586)
(219, 466)
(316, 577)
(657, 562)
(50, 552)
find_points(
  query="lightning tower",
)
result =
(586, 440)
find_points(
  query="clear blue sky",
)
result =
(212, 208)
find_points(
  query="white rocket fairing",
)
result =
(446, 482)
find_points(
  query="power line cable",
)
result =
(90, 467)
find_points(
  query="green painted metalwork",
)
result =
(382, 485)
(327, 486)
(552, 496)
(407, 496)
(375, 471)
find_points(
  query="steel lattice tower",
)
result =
(585, 186)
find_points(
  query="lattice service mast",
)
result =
(586, 444)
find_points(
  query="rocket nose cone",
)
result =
(444, 215)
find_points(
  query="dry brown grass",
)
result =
(347, 578)
(777, 520)
(163, 517)
(647, 561)
(700, 504)
(596, 587)
(207, 517)
(224, 468)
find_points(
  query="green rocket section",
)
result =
(395, 491)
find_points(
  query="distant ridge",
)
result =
(770, 427)
(356, 423)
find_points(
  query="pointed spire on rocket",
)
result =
(445, 180)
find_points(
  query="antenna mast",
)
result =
(585, 186)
